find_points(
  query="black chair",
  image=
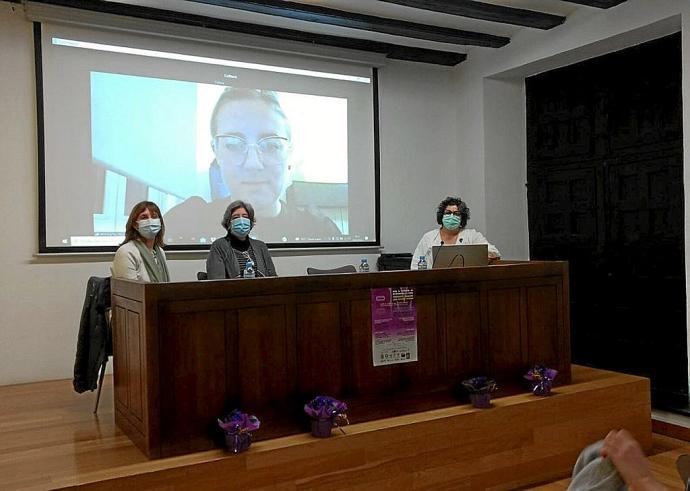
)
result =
(394, 262)
(343, 269)
(202, 275)
(94, 341)
(109, 342)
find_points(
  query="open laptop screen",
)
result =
(459, 256)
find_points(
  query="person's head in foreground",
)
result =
(238, 219)
(452, 214)
(145, 224)
(251, 142)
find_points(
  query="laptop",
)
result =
(459, 256)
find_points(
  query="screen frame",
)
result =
(44, 248)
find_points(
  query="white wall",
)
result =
(418, 160)
(41, 298)
(505, 170)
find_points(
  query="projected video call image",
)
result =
(195, 147)
(194, 126)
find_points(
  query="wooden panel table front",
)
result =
(186, 353)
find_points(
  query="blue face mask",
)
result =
(149, 227)
(240, 226)
(451, 222)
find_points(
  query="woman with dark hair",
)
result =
(141, 256)
(452, 215)
(229, 255)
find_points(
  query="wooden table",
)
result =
(185, 353)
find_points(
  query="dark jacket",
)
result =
(94, 343)
(222, 263)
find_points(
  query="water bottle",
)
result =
(364, 266)
(249, 270)
(422, 263)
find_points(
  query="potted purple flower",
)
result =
(541, 378)
(480, 389)
(325, 413)
(238, 427)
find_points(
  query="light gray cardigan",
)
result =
(129, 264)
(221, 262)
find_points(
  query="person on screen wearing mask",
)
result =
(141, 256)
(452, 215)
(229, 255)
(251, 141)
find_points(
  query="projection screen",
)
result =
(126, 117)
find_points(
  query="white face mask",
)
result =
(149, 228)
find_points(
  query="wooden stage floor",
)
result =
(49, 435)
(50, 439)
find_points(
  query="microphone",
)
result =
(442, 243)
(460, 240)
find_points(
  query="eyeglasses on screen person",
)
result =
(271, 150)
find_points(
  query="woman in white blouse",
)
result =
(452, 215)
(141, 256)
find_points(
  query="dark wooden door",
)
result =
(605, 192)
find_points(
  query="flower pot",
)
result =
(321, 428)
(481, 401)
(542, 388)
(238, 442)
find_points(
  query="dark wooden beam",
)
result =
(602, 4)
(351, 20)
(393, 51)
(486, 11)
(420, 55)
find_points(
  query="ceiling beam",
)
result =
(393, 51)
(602, 4)
(486, 11)
(351, 20)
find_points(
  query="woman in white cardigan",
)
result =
(452, 215)
(141, 256)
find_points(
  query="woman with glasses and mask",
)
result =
(251, 141)
(141, 256)
(452, 215)
(229, 255)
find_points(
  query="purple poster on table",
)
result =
(393, 325)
